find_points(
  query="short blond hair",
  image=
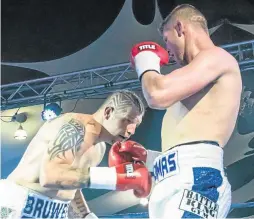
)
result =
(186, 12)
(122, 99)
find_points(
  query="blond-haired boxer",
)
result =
(62, 157)
(203, 98)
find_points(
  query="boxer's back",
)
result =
(27, 172)
(207, 115)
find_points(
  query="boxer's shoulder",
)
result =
(79, 127)
(85, 120)
(218, 64)
(217, 58)
(228, 67)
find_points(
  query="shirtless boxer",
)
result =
(190, 179)
(62, 158)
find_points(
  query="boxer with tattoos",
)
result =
(63, 157)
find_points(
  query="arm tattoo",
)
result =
(70, 137)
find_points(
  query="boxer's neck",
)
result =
(196, 42)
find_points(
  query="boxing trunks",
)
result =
(190, 183)
(19, 202)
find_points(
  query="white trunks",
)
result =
(190, 183)
(19, 202)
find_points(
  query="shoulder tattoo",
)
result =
(69, 137)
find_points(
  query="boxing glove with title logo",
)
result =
(148, 56)
(122, 177)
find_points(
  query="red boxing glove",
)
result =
(134, 176)
(127, 151)
(148, 56)
(115, 157)
(123, 177)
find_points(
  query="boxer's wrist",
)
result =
(146, 61)
(151, 156)
(103, 178)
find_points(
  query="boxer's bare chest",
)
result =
(178, 117)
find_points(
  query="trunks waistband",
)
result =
(215, 143)
(183, 158)
(31, 204)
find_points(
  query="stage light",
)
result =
(51, 111)
(20, 134)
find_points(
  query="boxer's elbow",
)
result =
(47, 179)
(45, 182)
(158, 94)
(153, 98)
(153, 103)
(51, 181)
(48, 176)
(158, 100)
(64, 177)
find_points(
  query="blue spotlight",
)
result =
(51, 111)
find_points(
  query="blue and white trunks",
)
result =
(190, 183)
(19, 202)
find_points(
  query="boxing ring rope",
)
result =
(145, 214)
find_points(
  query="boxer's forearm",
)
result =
(151, 86)
(63, 177)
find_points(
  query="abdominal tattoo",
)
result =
(70, 137)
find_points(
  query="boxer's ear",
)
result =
(179, 27)
(108, 112)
